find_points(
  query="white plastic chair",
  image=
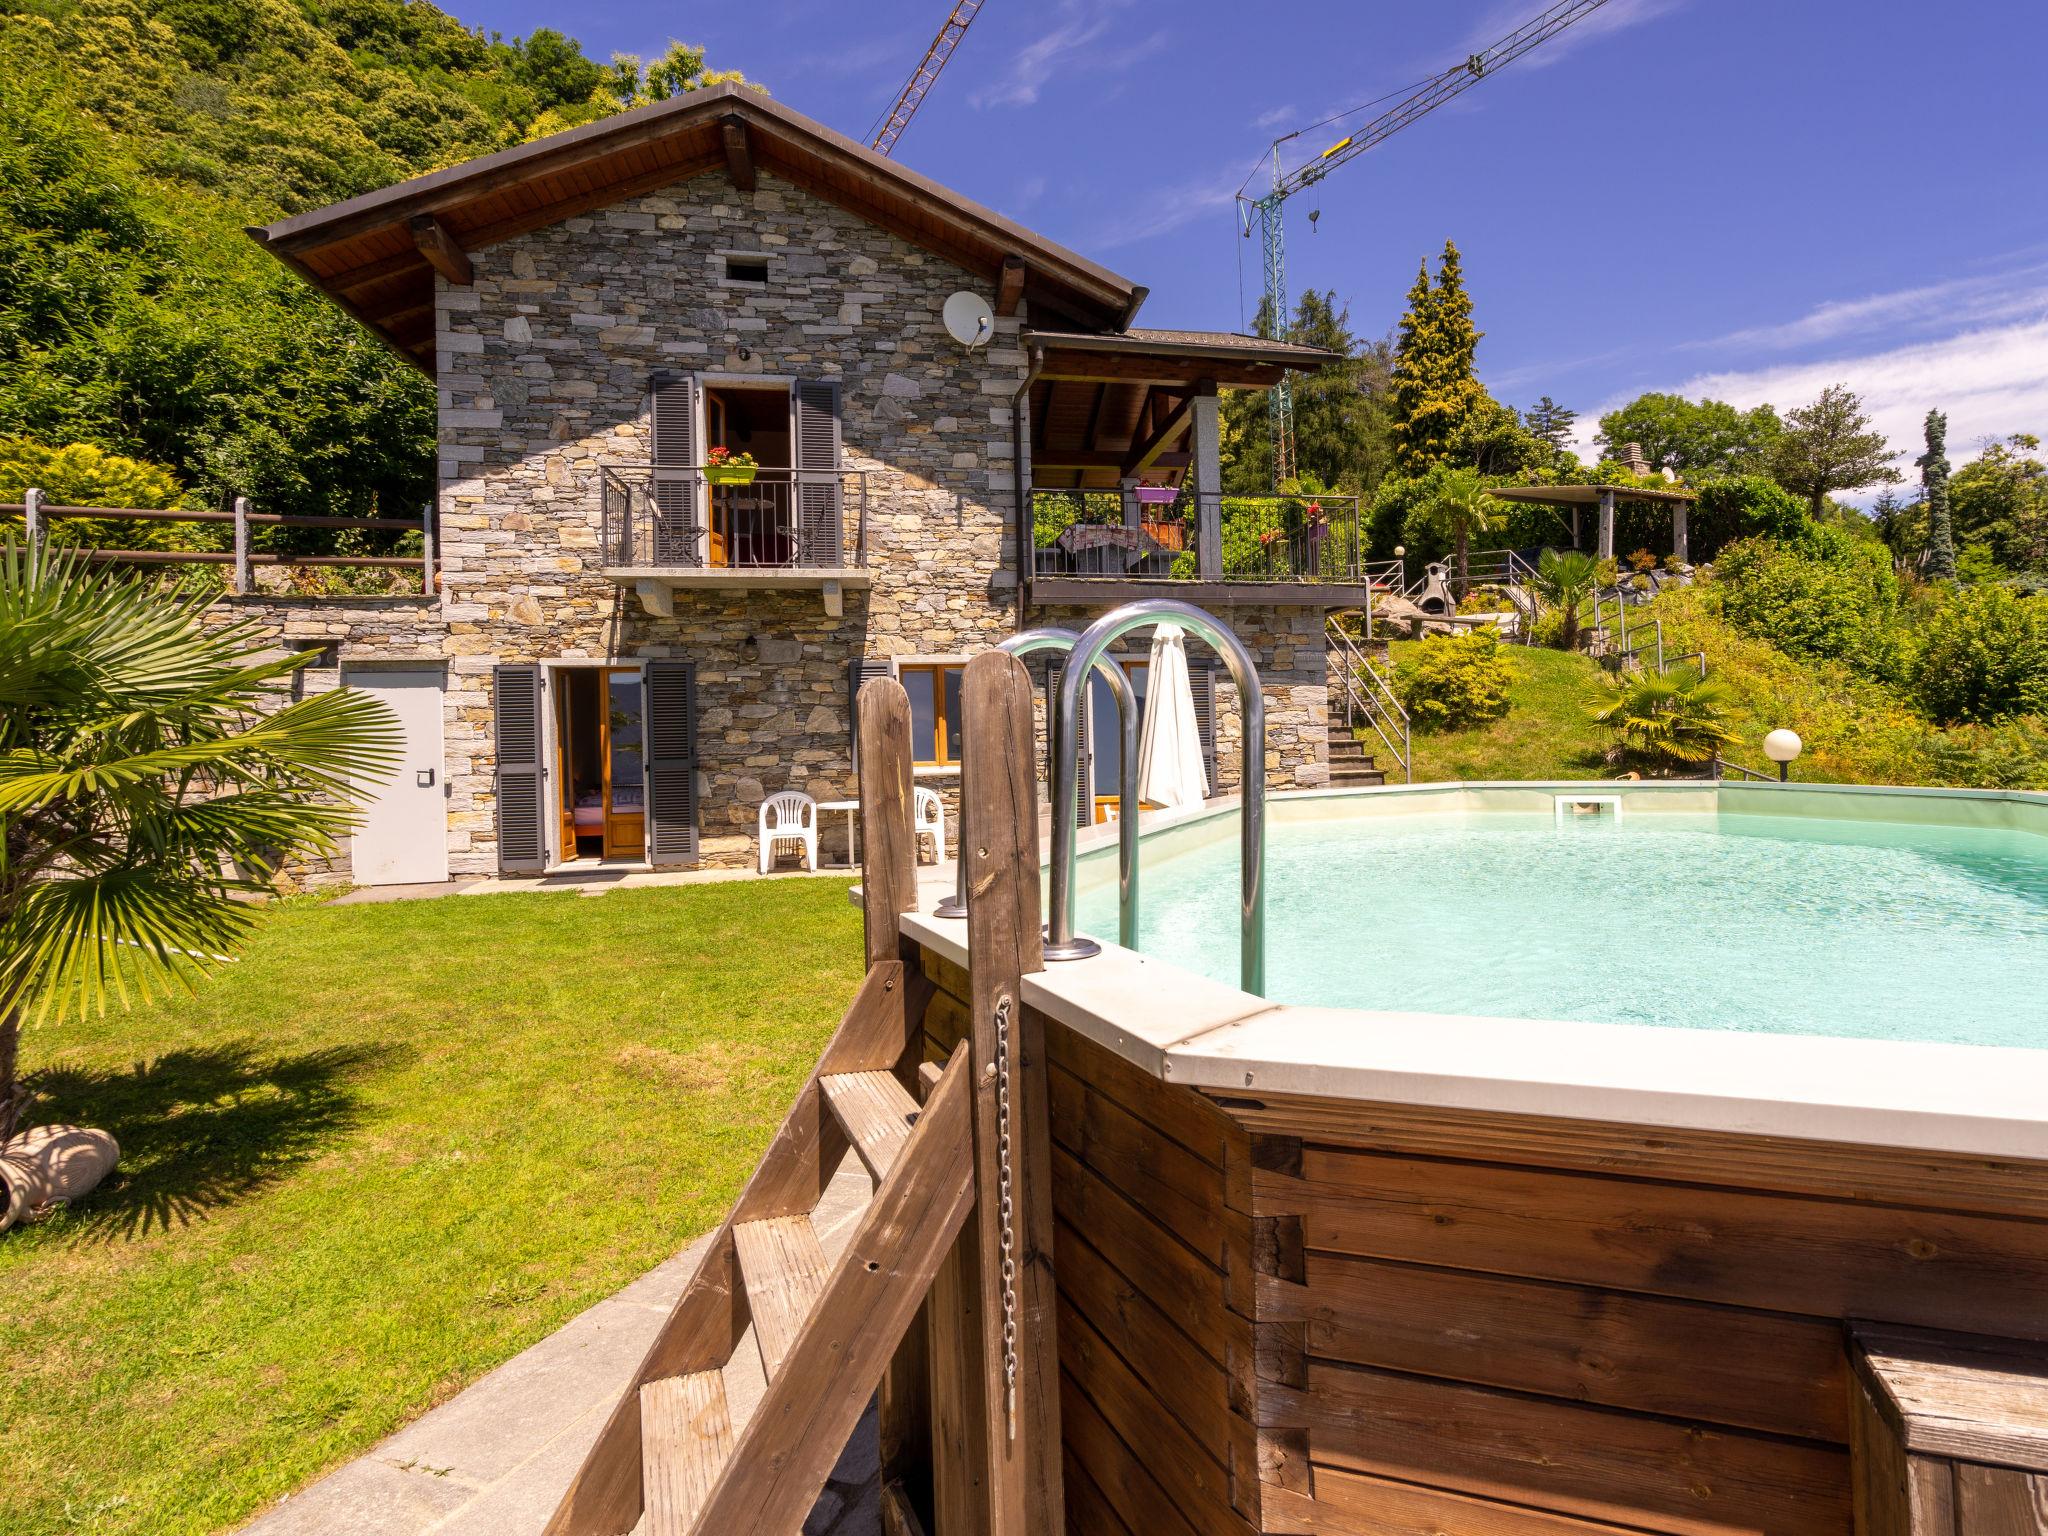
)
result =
(928, 814)
(789, 817)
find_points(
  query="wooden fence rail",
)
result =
(35, 513)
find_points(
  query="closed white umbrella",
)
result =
(1170, 771)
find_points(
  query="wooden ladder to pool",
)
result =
(671, 1461)
(825, 1331)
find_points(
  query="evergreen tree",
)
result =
(1435, 389)
(1342, 433)
(1552, 423)
(1941, 539)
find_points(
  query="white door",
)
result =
(403, 837)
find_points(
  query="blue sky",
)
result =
(1751, 198)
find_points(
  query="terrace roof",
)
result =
(1587, 495)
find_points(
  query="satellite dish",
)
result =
(969, 320)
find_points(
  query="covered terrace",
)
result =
(1603, 498)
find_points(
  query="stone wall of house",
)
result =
(544, 371)
(347, 632)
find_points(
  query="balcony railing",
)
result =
(1197, 537)
(663, 518)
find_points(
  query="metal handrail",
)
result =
(1357, 699)
(650, 514)
(1062, 943)
(1052, 638)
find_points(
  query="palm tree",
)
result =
(1671, 718)
(1459, 509)
(1564, 581)
(149, 785)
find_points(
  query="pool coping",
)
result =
(1988, 1101)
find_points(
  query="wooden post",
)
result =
(1001, 1474)
(241, 585)
(888, 890)
(32, 516)
(427, 549)
(1205, 440)
(1680, 545)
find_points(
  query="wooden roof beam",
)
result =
(443, 251)
(1147, 450)
(1010, 288)
(739, 151)
(1100, 458)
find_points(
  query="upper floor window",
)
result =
(934, 689)
(746, 269)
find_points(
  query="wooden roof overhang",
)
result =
(376, 255)
(1110, 407)
(1586, 495)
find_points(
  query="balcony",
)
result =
(1090, 546)
(667, 529)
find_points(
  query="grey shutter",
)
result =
(1202, 683)
(1084, 780)
(521, 781)
(671, 763)
(860, 672)
(818, 532)
(672, 411)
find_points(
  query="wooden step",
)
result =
(877, 1113)
(685, 1439)
(785, 1270)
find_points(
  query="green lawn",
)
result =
(389, 1149)
(1548, 732)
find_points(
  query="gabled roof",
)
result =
(376, 255)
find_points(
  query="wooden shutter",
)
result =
(859, 673)
(671, 763)
(1084, 757)
(1202, 683)
(521, 780)
(819, 534)
(672, 412)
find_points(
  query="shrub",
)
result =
(1644, 560)
(1981, 656)
(1455, 680)
(1742, 507)
(1675, 718)
(1824, 597)
(1564, 584)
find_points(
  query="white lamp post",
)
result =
(1781, 747)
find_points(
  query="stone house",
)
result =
(631, 641)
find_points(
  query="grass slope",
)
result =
(389, 1149)
(1548, 732)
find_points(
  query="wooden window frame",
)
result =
(936, 672)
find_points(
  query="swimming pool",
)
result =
(1879, 915)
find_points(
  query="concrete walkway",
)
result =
(594, 881)
(493, 1460)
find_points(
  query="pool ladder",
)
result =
(1086, 653)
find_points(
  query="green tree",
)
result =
(1553, 423)
(1941, 541)
(1828, 446)
(1435, 389)
(145, 795)
(1565, 580)
(1457, 508)
(1901, 525)
(1695, 439)
(1342, 429)
(1999, 501)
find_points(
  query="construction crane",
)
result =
(921, 78)
(1427, 97)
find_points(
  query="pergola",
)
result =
(1604, 497)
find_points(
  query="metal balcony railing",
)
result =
(659, 517)
(1196, 537)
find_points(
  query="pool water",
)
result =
(1703, 922)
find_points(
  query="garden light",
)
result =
(1781, 747)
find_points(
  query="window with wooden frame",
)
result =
(934, 690)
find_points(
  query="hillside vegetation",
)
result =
(138, 139)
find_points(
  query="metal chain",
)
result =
(1004, 1209)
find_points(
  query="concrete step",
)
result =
(1352, 778)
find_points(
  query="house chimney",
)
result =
(1632, 456)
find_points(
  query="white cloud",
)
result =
(1164, 209)
(1614, 16)
(1967, 301)
(1068, 46)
